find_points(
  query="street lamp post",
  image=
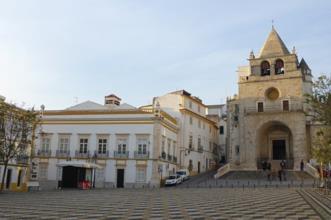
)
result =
(32, 170)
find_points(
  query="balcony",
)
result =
(62, 153)
(174, 159)
(200, 149)
(22, 159)
(121, 154)
(101, 154)
(82, 154)
(163, 156)
(141, 155)
(44, 153)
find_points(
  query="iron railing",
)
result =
(121, 154)
(62, 153)
(141, 155)
(101, 154)
(44, 153)
(200, 149)
(82, 154)
(174, 159)
(22, 159)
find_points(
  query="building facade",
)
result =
(219, 115)
(266, 120)
(197, 136)
(110, 145)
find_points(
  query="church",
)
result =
(266, 120)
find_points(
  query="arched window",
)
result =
(279, 67)
(265, 68)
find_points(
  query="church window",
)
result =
(260, 107)
(286, 105)
(279, 67)
(190, 104)
(237, 149)
(265, 68)
(221, 129)
(83, 142)
(190, 142)
(272, 93)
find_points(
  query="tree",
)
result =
(322, 147)
(16, 131)
(320, 111)
(320, 100)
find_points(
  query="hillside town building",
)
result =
(198, 134)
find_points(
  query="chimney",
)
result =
(112, 100)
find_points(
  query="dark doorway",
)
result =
(279, 149)
(120, 178)
(198, 166)
(19, 177)
(71, 176)
(8, 179)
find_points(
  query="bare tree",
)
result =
(16, 133)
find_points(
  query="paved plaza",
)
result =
(167, 203)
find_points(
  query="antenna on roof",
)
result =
(272, 23)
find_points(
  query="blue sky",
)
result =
(55, 52)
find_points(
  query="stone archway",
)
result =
(274, 143)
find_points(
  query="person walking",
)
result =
(269, 170)
(280, 175)
(282, 171)
(302, 165)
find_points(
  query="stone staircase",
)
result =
(260, 175)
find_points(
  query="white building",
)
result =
(111, 145)
(198, 135)
(218, 114)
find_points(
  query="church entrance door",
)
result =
(279, 149)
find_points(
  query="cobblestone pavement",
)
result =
(165, 203)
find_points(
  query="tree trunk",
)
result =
(3, 176)
(321, 172)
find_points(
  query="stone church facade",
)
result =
(267, 120)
